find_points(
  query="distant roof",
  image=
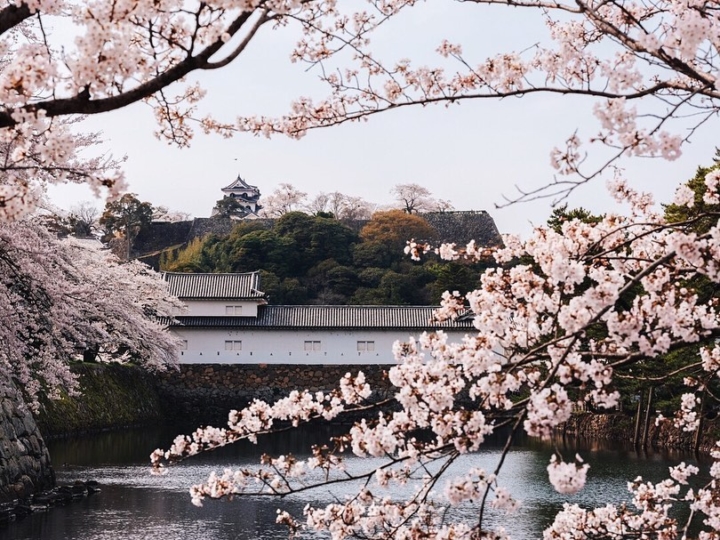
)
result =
(236, 286)
(239, 183)
(346, 317)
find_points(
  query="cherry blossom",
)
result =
(64, 298)
(555, 322)
(647, 66)
(561, 316)
(648, 63)
(567, 478)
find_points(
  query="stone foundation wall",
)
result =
(621, 428)
(112, 396)
(159, 236)
(24, 460)
(206, 393)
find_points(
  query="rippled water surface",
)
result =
(136, 505)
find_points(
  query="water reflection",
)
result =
(136, 505)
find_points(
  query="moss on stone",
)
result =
(113, 396)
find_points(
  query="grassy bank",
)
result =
(113, 396)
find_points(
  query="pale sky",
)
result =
(471, 154)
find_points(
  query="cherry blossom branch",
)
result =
(80, 105)
(262, 19)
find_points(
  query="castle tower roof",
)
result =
(240, 185)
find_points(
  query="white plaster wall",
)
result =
(207, 346)
(216, 308)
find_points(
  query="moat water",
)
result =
(136, 505)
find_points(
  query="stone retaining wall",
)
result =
(24, 460)
(112, 396)
(159, 235)
(620, 428)
(207, 392)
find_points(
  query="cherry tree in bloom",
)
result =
(625, 53)
(645, 64)
(120, 53)
(563, 314)
(343, 207)
(64, 298)
(25, 172)
(553, 331)
(414, 198)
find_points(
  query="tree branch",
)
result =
(13, 15)
(80, 105)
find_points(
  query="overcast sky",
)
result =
(472, 154)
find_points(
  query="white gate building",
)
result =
(228, 321)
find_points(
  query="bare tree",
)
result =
(318, 204)
(83, 218)
(286, 198)
(442, 205)
(356, 208)
(414, 197)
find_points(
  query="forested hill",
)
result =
(451, 226)
(319, 260)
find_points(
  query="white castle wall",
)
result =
(218, 308)
(208, 346)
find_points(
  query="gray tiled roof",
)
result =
(236, 286)
(239, 183)
(378, 317)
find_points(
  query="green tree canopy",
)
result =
(228, 207)
(561, 215)
(125, 216)
(319, 260)
(675, 213)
